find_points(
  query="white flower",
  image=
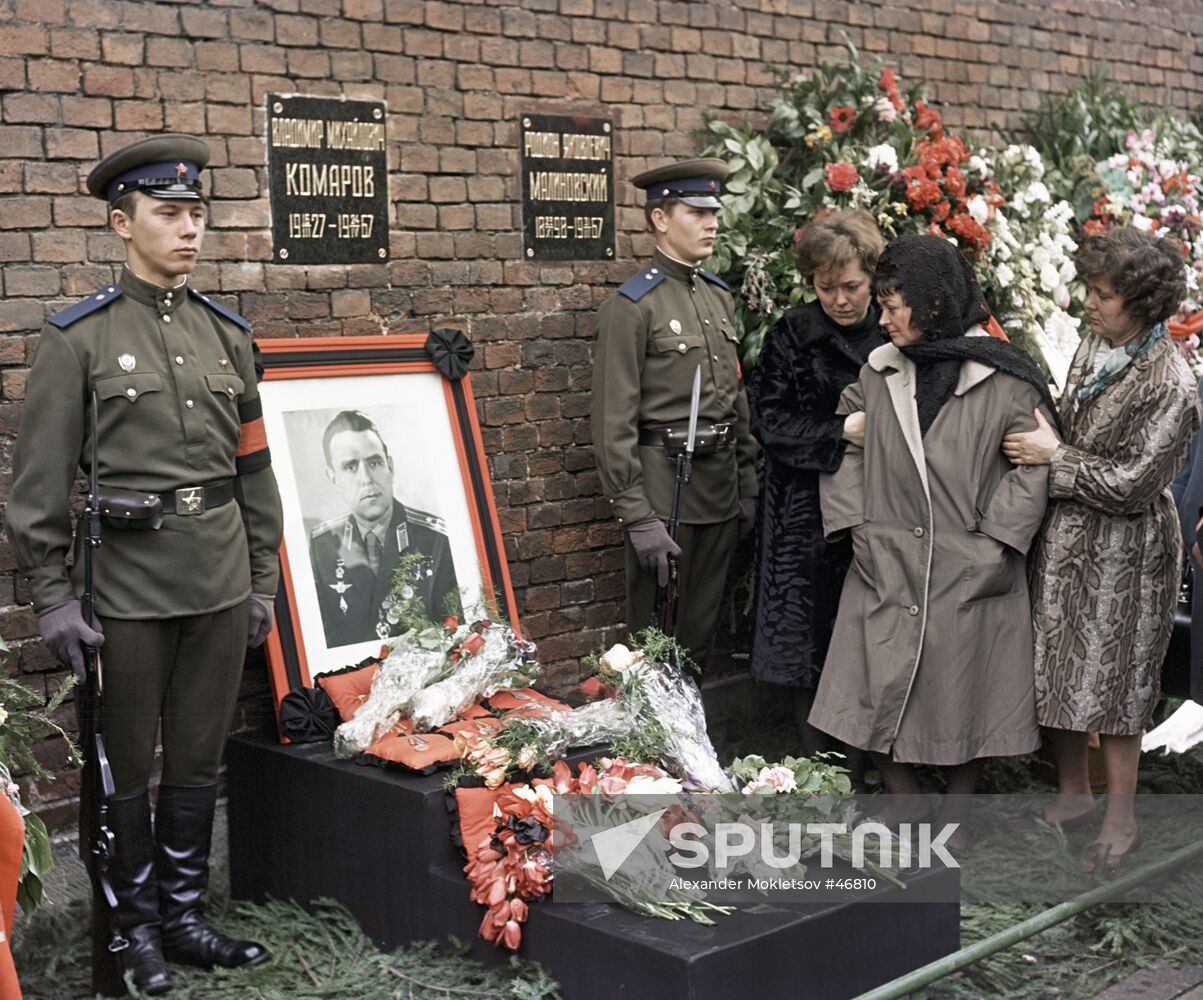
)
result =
(1142, 222)
(1061, 297)
(1050, 278)
(3, 715)
(885, 154)
(978, 164)
(780, 778)
(1041, 258)
(979, 210)
(645, 784)
(1004, 275)
(619, 659)
(1037, 192)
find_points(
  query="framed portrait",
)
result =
(388, 510)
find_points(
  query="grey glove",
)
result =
(65, 632)
(652, 545)
(747, 516)
(260, 620)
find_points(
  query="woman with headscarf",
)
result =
(810, 356)
(1106, 569)
(931, 659)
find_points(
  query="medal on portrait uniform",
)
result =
(339, 586)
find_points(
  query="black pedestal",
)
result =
(305, 825)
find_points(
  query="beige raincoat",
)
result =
(932, 652)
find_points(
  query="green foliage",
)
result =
(660, 648)
(646, 742)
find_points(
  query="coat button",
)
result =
(179, 360)
(913, 609)
(682, 348)
(918, 532)
(188, 403)
(166, 318)
(131, 393)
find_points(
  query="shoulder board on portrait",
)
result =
(335, 524)
(638, 286)
(221, 310)
(426, 519)
(85, 307)
(714, 279)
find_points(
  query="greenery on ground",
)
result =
(317, 954)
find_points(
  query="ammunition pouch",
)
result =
(129, 510)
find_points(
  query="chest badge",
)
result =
(674, 325)
(127, 362)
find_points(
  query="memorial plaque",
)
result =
(327, 179)
(567, 188)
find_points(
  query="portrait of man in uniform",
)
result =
(379, 549)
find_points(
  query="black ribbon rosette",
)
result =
(451, 351)
(307, 715)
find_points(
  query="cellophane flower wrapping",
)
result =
(416, 659)
(505, 661)
(559, 730)
(662, 694)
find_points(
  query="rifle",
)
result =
(665, 610)
(97, 845)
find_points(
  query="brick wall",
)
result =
(79, 78)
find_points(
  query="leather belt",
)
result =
(197, 499)
(709, 437)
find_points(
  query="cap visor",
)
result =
(702, 201)
(172, 193)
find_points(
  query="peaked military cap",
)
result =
(162, 166)
(697, 183)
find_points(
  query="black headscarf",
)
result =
(941, 289)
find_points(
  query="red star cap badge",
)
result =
(181, 169)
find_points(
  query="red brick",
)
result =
(58, 247)
(51, 178)
(138, 116)
(108, 81)
(24, 39)
(204, 22)
(296, 30)
(313, 63)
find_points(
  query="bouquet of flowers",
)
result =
(416, 659)
(665, 701)
(552, 733)
(514, 865)
(501, 660)
(1153, 186)
(844, 137)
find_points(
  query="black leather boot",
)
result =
(132, 873)
(183, 830)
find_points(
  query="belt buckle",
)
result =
(190, 500)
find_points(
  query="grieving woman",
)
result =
(809, 357)
(1106, 570)
(931, 658)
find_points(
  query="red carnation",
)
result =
(930, 119)
(921, 192)
(940, 211)
(841, 176)
(889, 84)
(1095, 227)
(954, 183)
(841, 119)
(973, 237)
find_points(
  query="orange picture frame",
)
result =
(420, 404)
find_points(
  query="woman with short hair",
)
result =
(1106, 570)
(809, 356)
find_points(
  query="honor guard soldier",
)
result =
(653, 334)
(171, 375)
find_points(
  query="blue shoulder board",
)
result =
(221, 310)
(642, 283)
(714, 279)
(97, 300)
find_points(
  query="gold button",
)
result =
(179, 360)
(715, 357)
(231, 392)
(913, 609)
(706, 321)
(188, 403)
(166, 318)
(918, 532)
(131, 393)
(682, 348)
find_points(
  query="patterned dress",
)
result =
(1105, 573)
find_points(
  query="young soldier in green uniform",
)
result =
(179, 417)
(653, 333)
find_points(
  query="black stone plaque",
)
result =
(567, 188)
(327, 170)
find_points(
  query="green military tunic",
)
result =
(653, 333)
(175, 380)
